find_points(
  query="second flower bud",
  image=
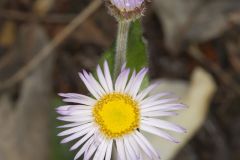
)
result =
(126, 10)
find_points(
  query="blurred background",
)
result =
(193, 44)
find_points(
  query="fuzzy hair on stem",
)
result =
(121, 46)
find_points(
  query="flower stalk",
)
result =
(121, 46)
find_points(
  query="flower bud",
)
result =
(126, 10)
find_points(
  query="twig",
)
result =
(27, 16)
(48, 50)
(224, 77)
(235, 17)
(6, 60)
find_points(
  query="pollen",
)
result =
(116, 115)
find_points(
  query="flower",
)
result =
(115, 114)
(126, 9)
(127, 5)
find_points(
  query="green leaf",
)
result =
(136, 51)
(109, 56)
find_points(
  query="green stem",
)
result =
(121, 46)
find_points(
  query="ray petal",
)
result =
(84, 148)
(146, 91)
(83, 139)
(163, 124)
(102, 79)
(108, 76)
(89, 86)
(158, 132)
(146, 142)
(76, 135)
(109, 150)
(159, 102)
(120, 149)
(75, 129)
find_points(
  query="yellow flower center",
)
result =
(116, 114)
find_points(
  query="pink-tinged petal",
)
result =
(143, 146)
(165, 107)
(127, 154)
(100, 153)
(99, 87)
(159, 102)
(129, 149)
(79, 101)
(79, 107)
(75, 95)
(123, 66)
(82, 113)
(134, 145)
(92, 148)
(80, 97)
(109, 150)
(124, 80)
(118, 82)
(103, 152)
(72, 125)
(145, 141)
(83, 139)
(108, 76)
(130, 82)
(73, 107)
(75, 112)
(163, 125)
(155, 97)
(137, 82)
(62, 112)
(133, 80)
(146, 91)
(120, 149)
(75, 129)
(141, 156)
(63, 108)
(90, 152)
(158, 132)
(89, 86)
(75, 118)
(76, 135)
(158, 114)
(84, 147)
(96, 86)
(102, 79)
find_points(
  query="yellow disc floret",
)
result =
(116, 114)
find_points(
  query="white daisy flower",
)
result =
(115, 114)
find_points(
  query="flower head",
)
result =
(115, 114)
(127, 5)
(126, 9)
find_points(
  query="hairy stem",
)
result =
(121, 46)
